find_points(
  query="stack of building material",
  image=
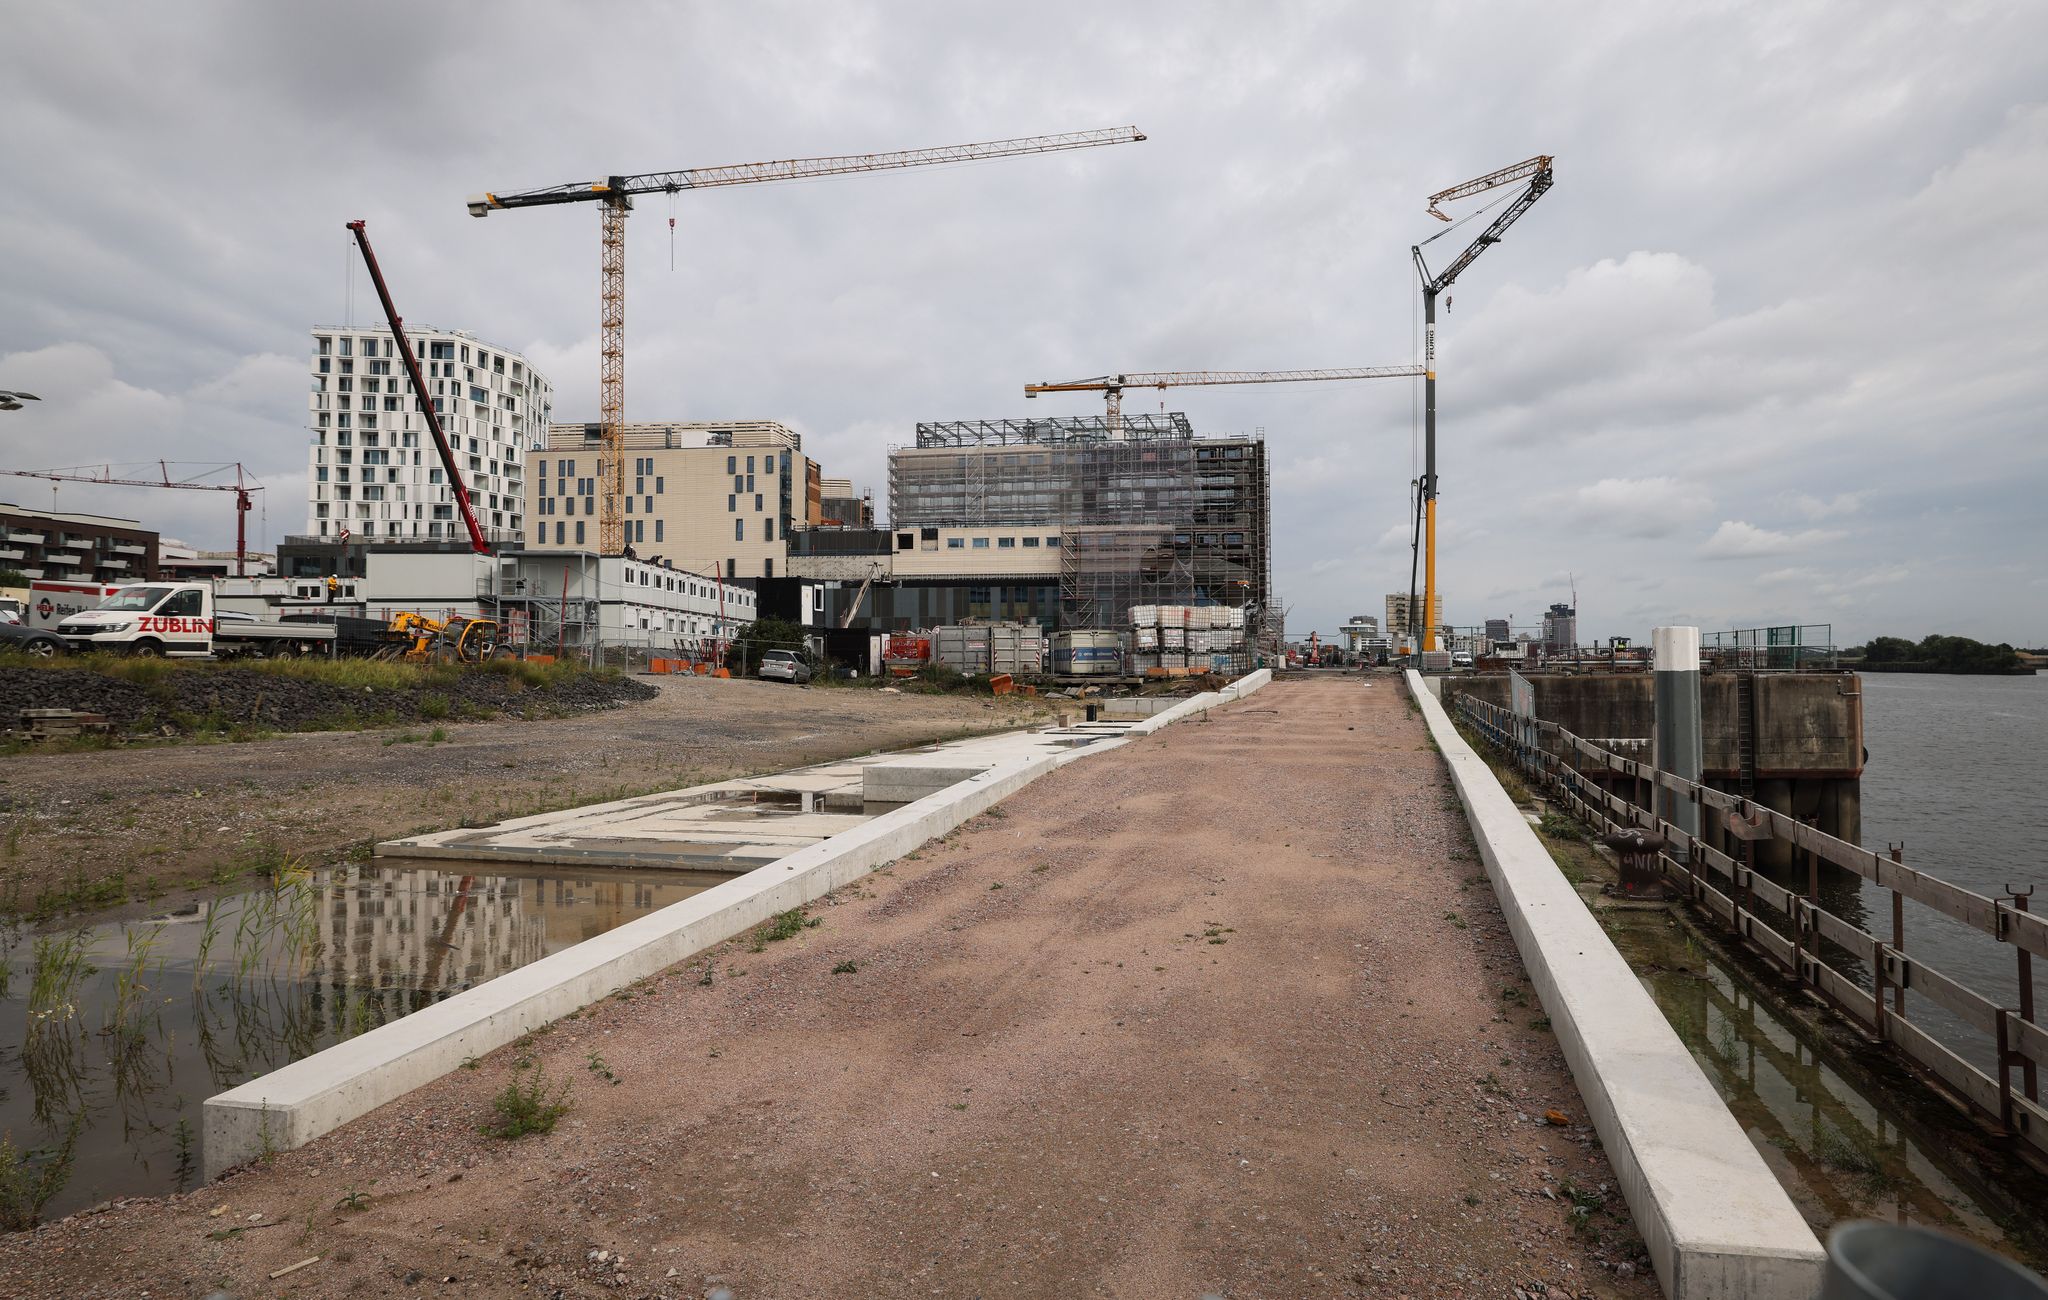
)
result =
(1173, 640)
(61, 724)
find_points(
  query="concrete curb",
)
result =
(291, 1106)
(1716, 1221)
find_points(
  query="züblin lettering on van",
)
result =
(152, 623)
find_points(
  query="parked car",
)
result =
(22, 639)
(784, 666)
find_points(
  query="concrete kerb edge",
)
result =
(1715, 1219)
(299, 1102)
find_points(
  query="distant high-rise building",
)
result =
(374, 473)
(1497, 630)
(1397, 613)
(1560, 627)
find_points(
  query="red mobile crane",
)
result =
(419, 385)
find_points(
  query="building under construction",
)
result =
(1150, 516)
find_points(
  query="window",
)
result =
(657, 538)
(1006, 543)
(1030, 542)
(657, 481)
(739, 530)
(732, 503)
(750, 464)
(732, 464)
(757, 502)
(768, 530)
(981, 543)
(344, 345)
(956, 543)
(579, 532)
(739, 482)
(767, 568)
(904, 541)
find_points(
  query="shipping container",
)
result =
(1093, 653)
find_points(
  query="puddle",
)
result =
(1838, 1156)
(124, 1029)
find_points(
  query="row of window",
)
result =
(437, 350)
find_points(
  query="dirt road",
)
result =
(1226, 1012)
(94, 830)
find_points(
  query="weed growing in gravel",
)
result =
(1455, 919)
(353, 1200)
(788, 925)
(596, 1065)
(531, 1107)
(1560, 827)
(1540, 1023)
(846, 968)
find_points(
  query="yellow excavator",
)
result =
(416, 638)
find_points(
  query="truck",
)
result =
(180, 619)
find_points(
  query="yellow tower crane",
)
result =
(1112, 386)
(615, 196)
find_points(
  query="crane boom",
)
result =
(1537, 172)
(797, 169)
(419, 386)
(615, 194)
(241, 487)
(1493, 180)
(1112, 386)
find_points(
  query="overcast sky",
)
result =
(1771, 350)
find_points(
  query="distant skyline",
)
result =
(1770, 352)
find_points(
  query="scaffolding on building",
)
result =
(1149, 514)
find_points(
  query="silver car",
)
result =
(784, 666)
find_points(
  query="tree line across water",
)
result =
(1936, 654)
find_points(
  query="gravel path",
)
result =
(1227, 1012)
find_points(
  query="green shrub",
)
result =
(28, 1179)
(433, 706)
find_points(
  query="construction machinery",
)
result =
(415, 638)
(1537, 172)
(241, 487)
(1112, 386)
(615, 194)
(853, 610)
(419, 387)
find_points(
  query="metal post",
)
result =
(2026, 977)
(1898, 854)
(1678, 747)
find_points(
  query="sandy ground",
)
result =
(169, 819)
(1226, 1012)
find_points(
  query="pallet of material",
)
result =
(61, 724)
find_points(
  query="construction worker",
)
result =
(333, 588)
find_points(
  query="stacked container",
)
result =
(1188, 638)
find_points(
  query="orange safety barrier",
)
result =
(1001, 684)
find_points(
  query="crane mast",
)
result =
(615, 194)
(1112, 386)
(1537, 172)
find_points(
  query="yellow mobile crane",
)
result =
(1537, 172)
(615, 194)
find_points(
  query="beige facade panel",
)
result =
(1014, 551)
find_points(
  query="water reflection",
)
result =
(1838, 1156)
(129, 1027)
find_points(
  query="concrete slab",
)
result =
(1716, 1221)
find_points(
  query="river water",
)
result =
(1958, 772)
(124, 1029)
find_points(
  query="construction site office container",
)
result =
(1092, 653)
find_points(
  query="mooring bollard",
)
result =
(1679, 748)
